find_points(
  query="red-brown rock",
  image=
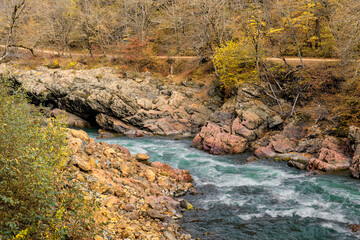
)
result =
(282, 144)
(332, 157)
(215, 140)
(265, 152)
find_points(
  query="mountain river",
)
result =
(259, 200)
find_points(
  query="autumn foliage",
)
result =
(37, 200)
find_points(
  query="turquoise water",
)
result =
(258, 200)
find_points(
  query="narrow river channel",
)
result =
(258, 200)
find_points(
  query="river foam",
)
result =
(258, 200)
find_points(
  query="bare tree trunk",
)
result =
(24, 47)
(293, 33)
(293, 107)
(18, 9)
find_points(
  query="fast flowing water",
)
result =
(258, 200)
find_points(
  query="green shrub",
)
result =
(34, 201)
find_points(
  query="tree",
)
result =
(345, 26)
(13, 11)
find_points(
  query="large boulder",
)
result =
(215, 140)
(334, 156)
(232, 132)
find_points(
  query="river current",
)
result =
(259, 200)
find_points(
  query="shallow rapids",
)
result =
(258, 200)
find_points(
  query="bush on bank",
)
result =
(37, 198)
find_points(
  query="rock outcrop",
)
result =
(135, 196)
(280, 147)
(333, 156)
(354, 137)
(117, 102)
(323, 153)
(239, 122)
(216, 140)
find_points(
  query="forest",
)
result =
(272, 28)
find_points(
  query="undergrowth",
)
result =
(37, 197)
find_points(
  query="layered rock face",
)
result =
(323, 152)
(236, 124)
(354, 137)
(118, 101)
(135, 195)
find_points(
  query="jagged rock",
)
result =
(240, 129)
(230, 134)
(136, 133)
(134, 203)
(113, 124)
(119, 103)
(103, 134)
(275, 121)
(186, 205)
(216, 140)
(354, 137)
(169, 235)
(89, 149)
(150, 175)
(265, 152)
(333, 156)
(125, 169)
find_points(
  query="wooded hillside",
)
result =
(316, 28)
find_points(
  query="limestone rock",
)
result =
(119, 103)
(125, 169)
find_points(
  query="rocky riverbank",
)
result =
(136, 196)
(140, 104)
(124, 102)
